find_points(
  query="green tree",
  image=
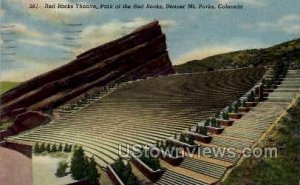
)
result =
(54, 149)
(217, 114)
(60, 148)
(213, 122)
(70, 148)
(92, 173)
(48, 148)
(42, 148)
(225, 116)
(230, 108)
(66, 148)
(236, 108)
(244, 103)
(207, 122)
(61, 169)
(36, 148)
(78, 164)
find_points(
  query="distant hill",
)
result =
(7, 85)
(289, 51)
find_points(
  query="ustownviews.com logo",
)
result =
(197, 151)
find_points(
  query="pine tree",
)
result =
(54, 149)
(42, 148)
(78, 164)
(92, 173)
(36, 148)
(175, 136)
(236, 108)
(213, 122)
(48, 148)
(230, 108)
(244, 103)
(225, 116)
(66, 148)
(157, 144)
(217, 114)
(207, 122)
(60, 147)
(70, 148)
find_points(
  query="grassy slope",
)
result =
(284, 51)
(283, 170)
(7, 85)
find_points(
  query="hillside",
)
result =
(285, 51)
(7, 85)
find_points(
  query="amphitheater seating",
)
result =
(173, 178)
(146, 111)
(203, 167)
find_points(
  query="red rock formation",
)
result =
(141, 54)
(26, 121)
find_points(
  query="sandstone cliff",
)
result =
(141, 54)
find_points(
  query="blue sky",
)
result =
(37, 41)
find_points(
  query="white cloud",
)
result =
(49, 44)
(2, 12)
(95, 35)
(207, 51)
(23, 30)
(32, 42)
(32, 68)
(288, 24)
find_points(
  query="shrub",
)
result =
(225, 116)
(124, 172)
(170, 149)
(186, 139)
(207, 122)
(201, 130)
(239, 103)
(230, 108)
(236, 107)
(244, 103)
(214, 123)
(61, 169)
(217, 114)
(250, 97)
(175, 136)
(150, 161)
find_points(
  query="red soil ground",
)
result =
(15, 168)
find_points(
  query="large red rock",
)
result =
(31, 119)
(26, 121)
(141, 54)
